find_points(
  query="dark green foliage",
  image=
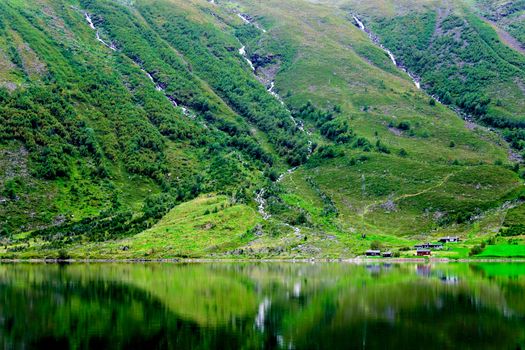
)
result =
(376, 245)
(300, 219)
(156, 206)
(252, 148)
(331, 126)
(43, 119)
(514, 230)
(63, 255)
(357, 160)
(460, 60)
(328, 152)
(5, 231)
(12, 188)
(516, 137)
(403, 125)
(380, 147)
(106, 226)
(205, 47)
(476, 250)
(271, 174)
(362, 143)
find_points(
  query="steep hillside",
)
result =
(508, 16)
(97, 123)
(459, 57)
(282, 126)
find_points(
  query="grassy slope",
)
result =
(506, 15)
(395, 200)
(194, 229)
(49, 199)
(328, 69)
(56, 46)
(456, 47)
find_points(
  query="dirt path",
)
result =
(506, 37)
(368, 207)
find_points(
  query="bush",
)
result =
(156, 206)
(404, 125)
(12, 188)
(476, 250)
(300, 219)
(329, 152)
(513, 230)
(376, 245)
(63, 255)
(380, 147)
(362, 143)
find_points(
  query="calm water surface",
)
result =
(264, 305)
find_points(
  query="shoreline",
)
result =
(356, 261)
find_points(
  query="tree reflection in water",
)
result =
(262, 305)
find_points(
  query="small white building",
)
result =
(449, 239)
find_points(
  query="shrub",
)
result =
(63, 255)
(328, 152)
(380, 147)
(475, 250)
(376, 245)
(12, 188)
(156, 206)
(362, 143)
(404, 125)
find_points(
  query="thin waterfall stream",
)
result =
(259, 195)
(185, 110)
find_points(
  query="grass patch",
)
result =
(503, 251)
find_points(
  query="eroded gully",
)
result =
(260, 194)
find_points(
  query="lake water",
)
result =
(262, 306)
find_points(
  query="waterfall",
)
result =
(388, 52)
(242, 52)
(247, 20)
(97, 35)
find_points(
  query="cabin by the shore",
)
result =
(449, 239)
(388, 254)
(373, 252)
(436, 246)
(423, 252)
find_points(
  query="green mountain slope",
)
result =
(508, 16)
(459, 57)
(114, 113)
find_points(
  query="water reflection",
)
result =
(266, 305)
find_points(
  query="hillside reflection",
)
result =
(262, 305)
